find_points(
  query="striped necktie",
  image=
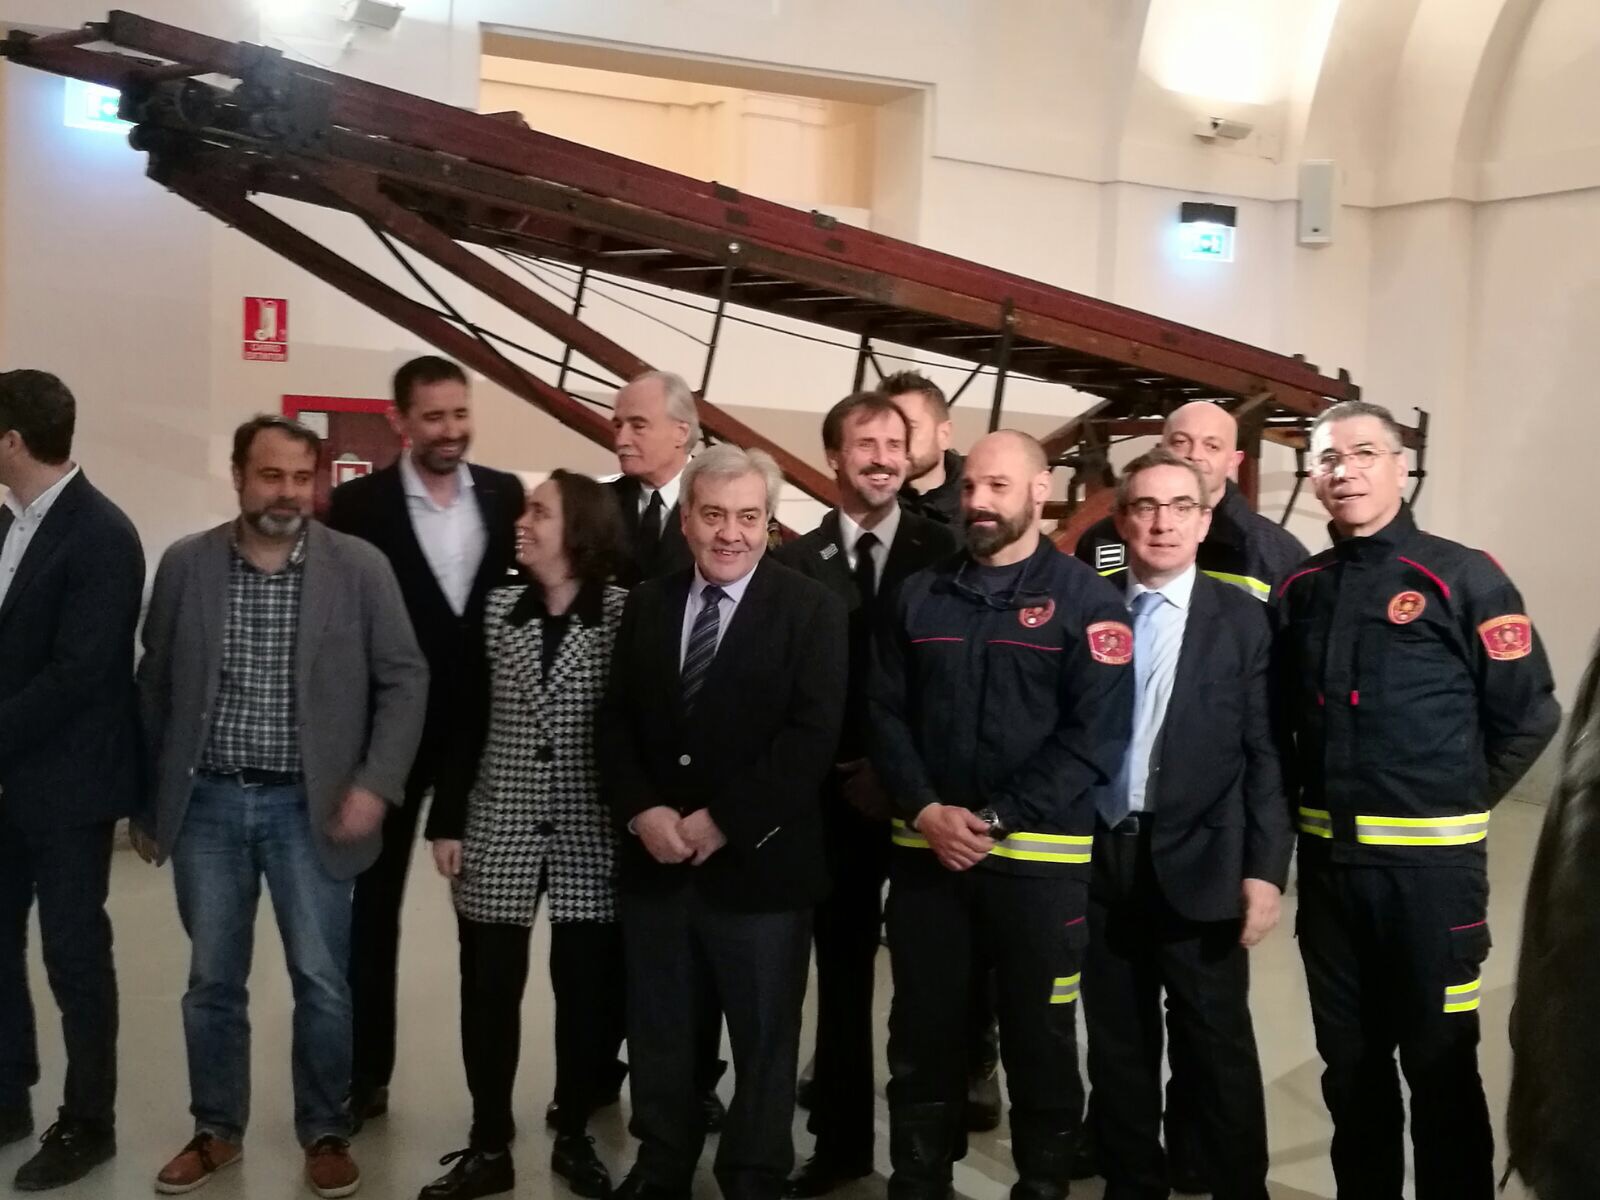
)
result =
(702, 642)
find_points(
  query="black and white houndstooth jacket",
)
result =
(534, 810)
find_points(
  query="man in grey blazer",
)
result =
(282, 696)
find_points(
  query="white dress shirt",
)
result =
(726, 607)
(669, 496)
(1157, 642)
(850, 533)
(451, 535)
(25, 523)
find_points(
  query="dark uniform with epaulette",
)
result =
(1242, 547)
(1417, 694)
(1007, 692)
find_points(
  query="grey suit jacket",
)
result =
(361, 684)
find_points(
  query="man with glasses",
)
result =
(1191, 854)
(1242, 547)
(1417, 693)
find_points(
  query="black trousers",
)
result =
(1033, 929)
(375, 941)
(847, 938)
(1392, 958)
(587, 978)
(68, 870)
(680, 952)
(1139, 948)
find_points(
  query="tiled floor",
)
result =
(398, 1154)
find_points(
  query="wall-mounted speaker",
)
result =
(1317, 202)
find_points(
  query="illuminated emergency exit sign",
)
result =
(90, 106)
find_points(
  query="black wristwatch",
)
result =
(996, 831)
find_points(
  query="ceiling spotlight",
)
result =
(1211, 128)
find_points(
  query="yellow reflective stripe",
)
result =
(1463, 997)
(1317, 822)
(1481, 818)
(1022, 847)
(1423, 831)
(1258, 589)
(1065, 989)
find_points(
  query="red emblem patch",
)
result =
(1507, 638)
(1111, 642)
(1406, 607)
(1032, 618)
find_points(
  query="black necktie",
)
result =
(866, 573)
(650, 523)
(6, 518)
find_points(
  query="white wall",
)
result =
(1050, 137)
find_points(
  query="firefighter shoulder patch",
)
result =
(1406, 607)
(1111, 642)
(1038, 615)
(1507, 638)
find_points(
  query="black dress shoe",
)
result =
(16, 1123)
(821, 1175)
(476, 1173)
(634, 1188)
(575, 1161)
(366, 1103)
(68, 1151)
(716, 1114)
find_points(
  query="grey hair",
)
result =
(680, 401)
(727, 461)
(1346, 410)
(1160, 456)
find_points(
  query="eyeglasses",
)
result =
(1182, 508)
(1363, 458)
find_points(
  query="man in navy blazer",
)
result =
(1191, 852)
(71, 578)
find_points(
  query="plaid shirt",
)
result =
(254, 725)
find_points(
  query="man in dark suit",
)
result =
(71, 578)
(447, 529)
(1191, 853)
(656, 427)
(862, 550)
(721, 722)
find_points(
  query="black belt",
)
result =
(253, 777)
(1131, 825)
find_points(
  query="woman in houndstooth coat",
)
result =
(517, 819)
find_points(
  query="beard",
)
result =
(983, 541)
(921, 465)
(437, 457)
(876, 496)
(276, 524)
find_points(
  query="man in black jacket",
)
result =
(933, 485)
(1242, 547)
(1191, 853)
(1000, 699)
(862, 550)
(721, 722)
(1417, 694)
(656, 428)
(447, 528)
(71, 579)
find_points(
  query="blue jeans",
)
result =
(233, 835)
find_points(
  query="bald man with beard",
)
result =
(1000, 699)
(1244, 548)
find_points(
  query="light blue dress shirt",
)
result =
(1158, 627)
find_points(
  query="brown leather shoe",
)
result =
(330, 1170)
(196, 1163)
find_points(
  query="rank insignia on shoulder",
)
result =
(1406, 607)
(1110, 556)
(1507, 638)
(1038, 615)
(1111, 642)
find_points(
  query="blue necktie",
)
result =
(1114, 805)
(702, 643)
